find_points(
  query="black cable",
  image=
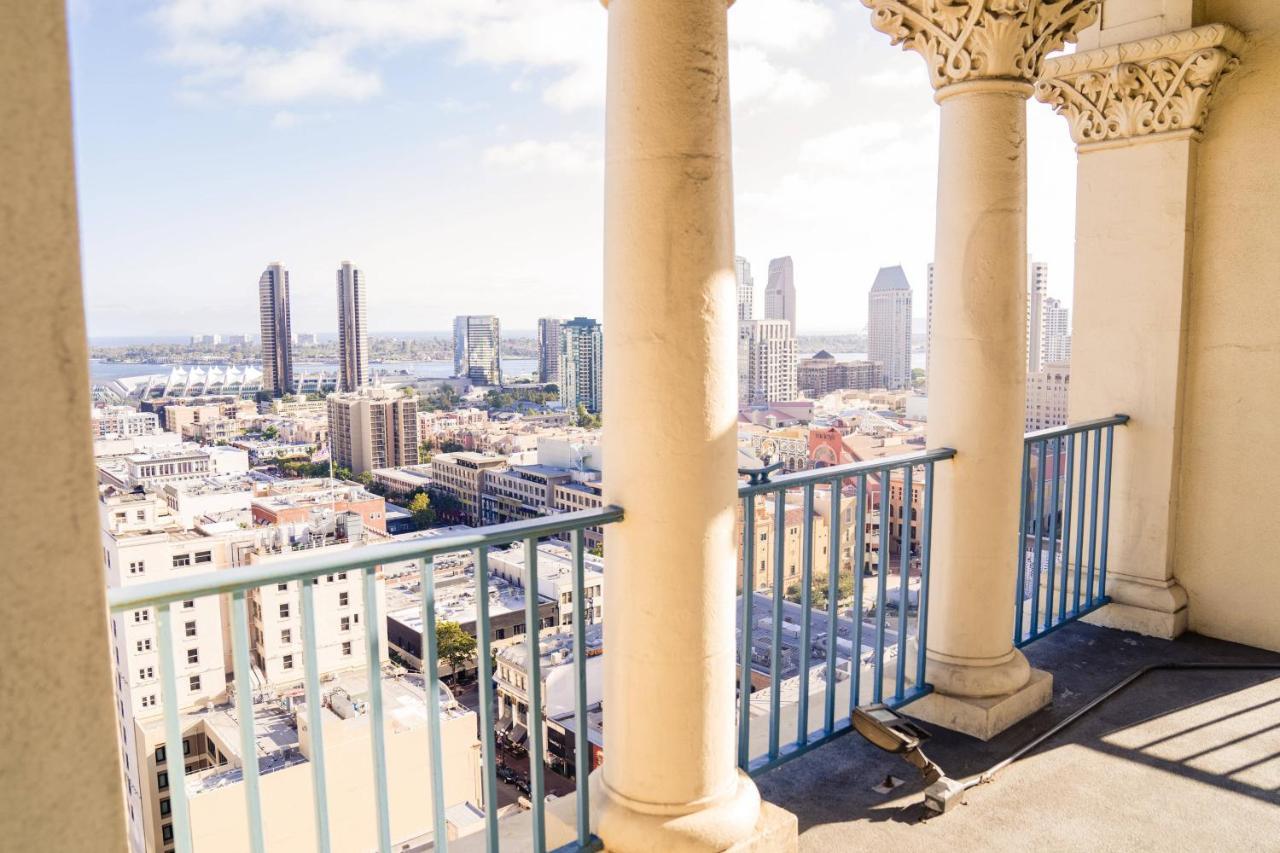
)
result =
(988, 774)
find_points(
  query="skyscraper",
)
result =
(477, 339)
(746, 288)
(353, 329)
(581, 364)
(1037, 292)
(928, 330)
(766, 362)
(780, 293)
(273, 311)
(889, 326)
(1055, 347)
(549, 349)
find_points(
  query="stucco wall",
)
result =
(1228, 522)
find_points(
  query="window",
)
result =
(144, 645)
(189, 604)
(190, 629)
(204, 556)
(162, 780)
(193, 656)
(342, 576)
(284, 611)
(345, 623)
(166, 832)
(147, 673)
(287, 661)
(165, 808)
(286, 636)
(344, 599)
(329, 579)
(346, 648)
(121, 516)
(140, 616)
(160, 754)
(502, 633)
(137, 567)
(282, 587)
(194, 683)
(356, 618)
(186, 746)
(149, 701)
(180, 560)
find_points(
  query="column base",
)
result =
(986, 716)
(739, 822)
(1143, 606)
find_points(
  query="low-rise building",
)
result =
(822, 374)
(462, 475)
(558, 681)
(295, 501)
(1047, 392)
(403, 481)
(555, 578)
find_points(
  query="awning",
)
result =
(504, 723)
(519, 735)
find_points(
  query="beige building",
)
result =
(462, 475)
(373, 429)
(766, 361)
(822, 374)
(1048, 390)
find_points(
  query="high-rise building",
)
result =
(477, 339)
(373, 429)
(746, 288)
(780, 293)
(889, 326)
(277, 331)
(1037, 292)
(549, 349)
(766, 362)
(1055, 340)
(581, 364)
(353, 329)
(928, 329)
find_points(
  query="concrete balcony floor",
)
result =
(1179, 760)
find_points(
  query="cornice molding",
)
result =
(966, 40)
(1143, 88)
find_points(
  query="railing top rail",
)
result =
(849, 469)
(317, 565)
(1072, 429)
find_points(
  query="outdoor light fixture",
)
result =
(885, 728)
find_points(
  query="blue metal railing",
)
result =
(791, 660)
(237, 582)
(1066, 504)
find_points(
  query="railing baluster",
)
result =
(1084, 465)
(806, 612)
(484, 632)
(1053, 533)
(775, 653)
(582, 766)
(1093, 512)
(859, 568)
(431, 669)
(904, 572)
(1037, 559)
(373, 660)
(922, 611)
(315, 714)
(537, 785)
(1020, 599)
(175, 756)
(833, 592)
(878, 686)
(1106, 515)
(744, 653)
(244, 711)
(1066, 526)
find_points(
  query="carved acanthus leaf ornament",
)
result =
(963, 40)
(1140, 88)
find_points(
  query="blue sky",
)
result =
(452, 149)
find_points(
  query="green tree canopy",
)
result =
(454, 646)
(423, 513)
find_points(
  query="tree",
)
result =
(423, 515)
(447, 506)
(270, 432)
(586, 419)
(365, 479)
(454, 646)
(341, 473)
(451, 447)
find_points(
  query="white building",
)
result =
(353, 328)
(1037, 293)
(746, 288)
(889, 326)
(477, 340)
(766, 362)
(555, 578)
(780, 292)
(558, 680)
(1056, 335)
(123, 422)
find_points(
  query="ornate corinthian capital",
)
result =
(964, 40)
(1140, 88)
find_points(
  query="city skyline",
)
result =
(512, 158)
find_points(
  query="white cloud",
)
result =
(779, 24)
(531, 155)
(754, 76)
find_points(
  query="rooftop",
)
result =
(890, 278)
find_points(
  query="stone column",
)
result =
(982, 57)
(1137, 110)
(59, 741)
(670, 409)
